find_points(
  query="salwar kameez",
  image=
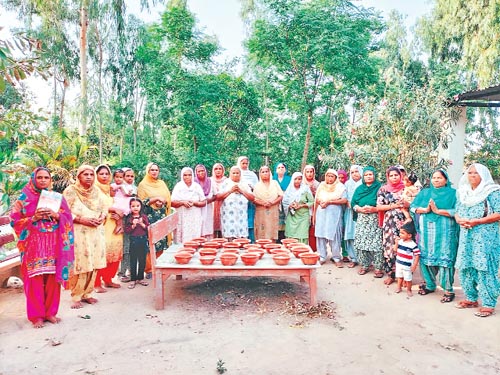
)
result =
(368, 241)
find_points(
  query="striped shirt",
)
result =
(407, 250)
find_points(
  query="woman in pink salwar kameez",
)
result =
(46, 247)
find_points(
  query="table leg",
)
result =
(313, 286)
(159, 291)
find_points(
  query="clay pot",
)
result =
(207, 251)
(288, 241)
(200, 240)
(299, 250)
(242, 241)
(228, 259)
(230, 250)
(281, 259)
(249, 259)
(251, 246)
(212, 244)
(279, 251)
(189, 250)
(309, 259)
(297, 244)
(270, 246)
(231, 245)
(220, 240)
(207, 260)
(183, 257)
(259, 252)
(264, 241)
(192, 244)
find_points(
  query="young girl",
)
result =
(407, 257)
(409, 193)
(136, 226)
(129, 189)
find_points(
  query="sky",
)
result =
(222, 19)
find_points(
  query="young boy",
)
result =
(409, 193)
(407, 257)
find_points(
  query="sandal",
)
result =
(363, 271)
(132, 285)
(143, 282)
(484, 312)
(352, 264)
(379, 274)
(125, 279)
(466, 304)
(448, 297)
(424, 291)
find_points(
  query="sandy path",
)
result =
(246, 324)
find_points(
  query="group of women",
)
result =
(81, 244)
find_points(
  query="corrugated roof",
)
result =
(488, 97)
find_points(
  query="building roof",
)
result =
(488, 97)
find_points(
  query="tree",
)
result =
(314, 51)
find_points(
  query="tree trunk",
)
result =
(99, 116)
(63, 99)
(83, 67)
(308, 138)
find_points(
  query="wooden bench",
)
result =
(165, 266)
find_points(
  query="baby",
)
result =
(409, 193)
(122, 192)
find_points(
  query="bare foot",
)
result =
(409, 293)
(38, 323)
(77, 305)
(113, 285)
(388, 281)
(100, 289)
(397, 290)
(53, 319)
(90, 300)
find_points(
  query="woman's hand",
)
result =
(45, 213)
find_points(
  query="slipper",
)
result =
(484, 312)
(143, 282)
(132, 285)
(363, 271)
(125, 279)
(378, 274)
(448, 297)
(352, 264)
(338, 264)
(424, 291)
(389, 281)
(464, 304)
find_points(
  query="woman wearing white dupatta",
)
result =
(188, 198)
(330, 197)
(349, 224)
(297, 202)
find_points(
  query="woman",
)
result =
(349, 224)
(46, 247)
(330, 197)
(89, 207)
(281, 176)
(433, 209)
(114, 239)
(268, 196)
(250, 178)
(157, 202)
(297, 204)
(478, 213)
(368, 234)
(189, 199)
(234, 197)
(309, 174)
(342, 176)
(207, 212)
(218, 177)
(391, 218)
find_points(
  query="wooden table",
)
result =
(166, 266)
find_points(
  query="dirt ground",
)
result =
(253, 326)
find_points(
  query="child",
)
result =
(129, 187)
(407, 256)
(409, 193)
(136, 226)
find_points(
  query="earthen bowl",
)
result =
(207, 251)
(288, 241)
(212, 244)
(242, 241)
(230, 250)
(207, 260)
(192, 244)
(189, 250)
(252, 246)
(183, 257)
(281, 259)
(299, 250)
(220, 240)
(260, 252)
(200, 240)
(249, 259)
(309, 259)
(279, 251)
(264, 241)
(268, 247)
(228, 259)
(231, 245)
